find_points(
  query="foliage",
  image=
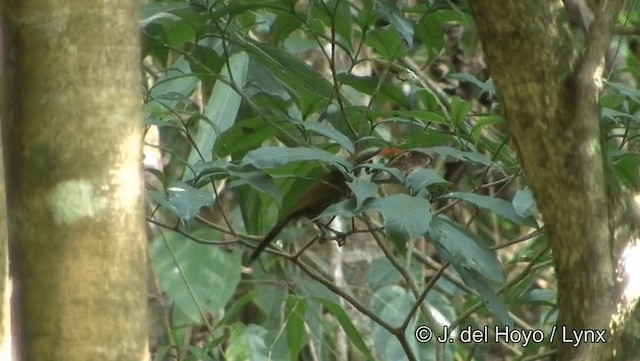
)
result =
(257, 99)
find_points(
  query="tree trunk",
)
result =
(74, 180)
(549, 95)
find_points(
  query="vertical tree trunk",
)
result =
(74, 179)
(549, 93)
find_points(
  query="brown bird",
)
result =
(330, 189)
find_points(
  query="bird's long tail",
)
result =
(270, 236)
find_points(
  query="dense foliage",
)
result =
(254, 100)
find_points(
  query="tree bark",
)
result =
(549, 94)
(74, 180)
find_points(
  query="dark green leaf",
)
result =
(399, 22)
(349, 329)
(295, 309)
(283, 25)
(423, 178)
(332, 134)
(196, 276)
(259, 181)
(272, 157)
(460, 248)
(185, 201)
(386, 42)
(496, 205)
(523, 202)
(459, 109)
(362, 190)
(405, 214)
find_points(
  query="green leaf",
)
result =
(196, 276)
(345, 322)
(243, 136)
(460, 248)
(405, 214)
(307, 86)
(221, 110)
(345, 208)
(459, 109)
(625, 166)
(422, 178)
(399, 22)
(342, 23)
(362, 191)
(391, 303)
(272, 157)
(373, 86)
(496, 205)
(252, 207)
(283, 25)
(484, 121)
(183, 200)
(473, 157)
(366, 16)
(178, 79)
(523, 202)
(332, 134)
(494, 303)
(260, 181)
(236, 307)
(295, 309)
(386, 42)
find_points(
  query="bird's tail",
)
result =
(270, 236)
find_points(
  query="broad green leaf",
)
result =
(405, 214)
(625, 166)
(283, 25)
(386, 42)
(304, 84)
(221, 110)
(484, 121)
(366, 15)
(183, 200)
(423, 178)
(474, 157)
(243, 136)
(373, 86)
(392, 303)
(460, 248)
(332, 134)
(397, 20)
(295, 309)
(496, 205)
(483, 86)
(523, 202)
(459, 109)
(272, 157)
(196, 277)
(236, 307)
(200, 353)
(543, 297)
(631, 93)
(342, 23)
(476, 280)
(362, 190)
(177, 79)
(252, 207)
(347, 326)
(394, 172)
(266, 345)
(345, 208)
(259, 181)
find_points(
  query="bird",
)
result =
(328, 190)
